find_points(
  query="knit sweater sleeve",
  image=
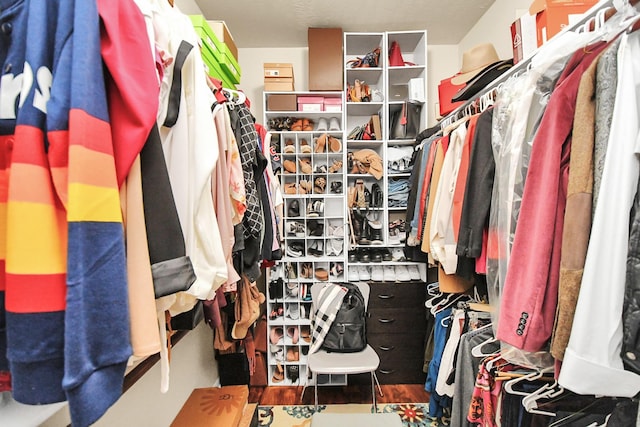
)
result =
(97, 342)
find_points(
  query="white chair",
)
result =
(322, 362)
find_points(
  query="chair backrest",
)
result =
(363, 286)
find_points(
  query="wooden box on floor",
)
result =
(249, 416)
(213, 406)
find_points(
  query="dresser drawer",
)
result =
(396, 321)
(391, 375)
(404, 345)
(401, 375)
(394, 295)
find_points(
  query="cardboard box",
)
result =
(279, 70)
(311, 103)
(333, 105)
(249, 416)
(278, 84)
(221, 31)
(325, 58)
(545, 19)
(213, 406)
(281, 102)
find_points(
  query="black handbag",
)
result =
(404, 120)
(347, 333)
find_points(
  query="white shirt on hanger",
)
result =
(592, 363)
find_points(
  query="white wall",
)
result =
(192, 366)
(494, 27)
(442, 62)
(189, 7)
(251, 62)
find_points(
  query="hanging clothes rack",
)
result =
(521, 66)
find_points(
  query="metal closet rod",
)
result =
(591, 13)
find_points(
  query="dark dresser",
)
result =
(396, 329)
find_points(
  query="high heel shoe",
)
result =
(335, 166)
(294, 333)
(278, 374)
(335, 146)
(319, 185)
(320, 143)
(305, 166)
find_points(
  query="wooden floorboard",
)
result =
(290, 395)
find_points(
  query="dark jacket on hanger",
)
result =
(477, 197)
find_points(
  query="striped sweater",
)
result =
(63, 296)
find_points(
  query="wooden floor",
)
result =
(290, 395)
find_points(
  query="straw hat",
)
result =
(474, 61)
(482, 79)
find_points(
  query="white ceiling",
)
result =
(284, 23)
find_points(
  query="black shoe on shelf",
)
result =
(294, 208)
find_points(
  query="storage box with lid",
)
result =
(333, 104)
(325, 58)
(278, 70)
(282, 102)
(277, 84)
(311, 103)
(218, 49)
(223, 34)
(214, 70)
(545, 19)
(213, 406)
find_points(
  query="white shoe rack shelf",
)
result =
(311, 257)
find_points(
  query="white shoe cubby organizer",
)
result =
(313, 228)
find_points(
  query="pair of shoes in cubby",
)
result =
(302, 125)
(332, 125)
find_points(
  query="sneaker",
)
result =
(377, 274)
(389, 273)
(414, 272)
(402, 273)
(353, 275)
(334, 124)
(397, 254)
(323, 125)
(295, 249)
(363, 274)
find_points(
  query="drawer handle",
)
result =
(386, 348)
(386, 320)
(387, 371)
(385, 296)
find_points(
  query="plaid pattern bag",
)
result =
(329, 302)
